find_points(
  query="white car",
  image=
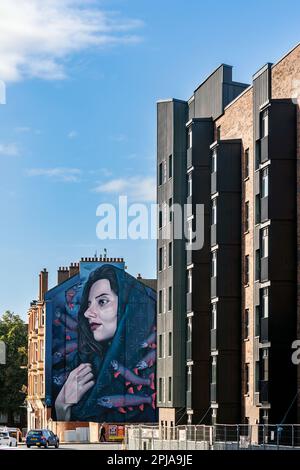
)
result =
(7, 439)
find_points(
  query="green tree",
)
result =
(13, 375)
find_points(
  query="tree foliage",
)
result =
(13, 375)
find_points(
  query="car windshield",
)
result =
(35, 433)
(4, 434)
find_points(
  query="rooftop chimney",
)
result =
(62, 274)
(43, 284)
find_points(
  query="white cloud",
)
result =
(22, 129)
(67, 175)
(137, 188)
(72, 135)
(9, 150)
(37, 37)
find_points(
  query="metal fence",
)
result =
(218, 437)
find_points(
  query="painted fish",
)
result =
(124, 401)
(130, 377)
(150, 342)
(148, 361)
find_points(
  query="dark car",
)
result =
(41, 437)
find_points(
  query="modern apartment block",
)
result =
(227, 313)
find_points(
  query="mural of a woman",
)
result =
(113, 378)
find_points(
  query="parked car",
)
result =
(41, 438)
(15, 432)
(7, 439)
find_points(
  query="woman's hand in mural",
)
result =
(79, 381)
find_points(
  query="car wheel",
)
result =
(10, 444)
(28, 446)
(57, 445)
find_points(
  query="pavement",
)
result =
(70, 446)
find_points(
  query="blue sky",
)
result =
(82, 81)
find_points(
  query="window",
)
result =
(214, 264)
(214, 161)
(189, 379)
(170, 344)
(36, 320)
(257, 320)
(160, 389)
(265, 364)
(35, 384)
(257, 209)
(265, 182)
(218, 132)
(247, 270)
(246, 323)
(160, 174)
(190, 138)
(160, 259)
(247, 379)
(265, 242)
(160, 218)
(160, 346)
(214, 211)
(189, 281)
(190, 231)
(164, 171)
(42, 384)
(257, 265)
(170, 298)
(247, 215)
(189, 184)
(160, 302)
(189, 329)
(214, 316)
(170, 389)
(265, 303)
(247, 172)
(42, 350)
(256, 376)
(170, 209)
(257, 154)
(170, 166)
(170, 253)
(264, 124)
(214, 370)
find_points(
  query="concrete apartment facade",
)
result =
(233, 321)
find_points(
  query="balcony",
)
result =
(264, 209)
(189, 400)
(189, 306)
(214, 182)
(264, 330)
(213, 287)
(188, 350)
(264, 149)
(264, 391)
(213, 392)
(264, 271)
(213, 340)
(189, 160)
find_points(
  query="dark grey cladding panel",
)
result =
(216, 92)
(164, 129)
(192, 109)
(209, 96)
(231, 91)
(203, 134)
(261, 94)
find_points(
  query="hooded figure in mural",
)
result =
(111, 375)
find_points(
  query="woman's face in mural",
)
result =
(102, 310)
